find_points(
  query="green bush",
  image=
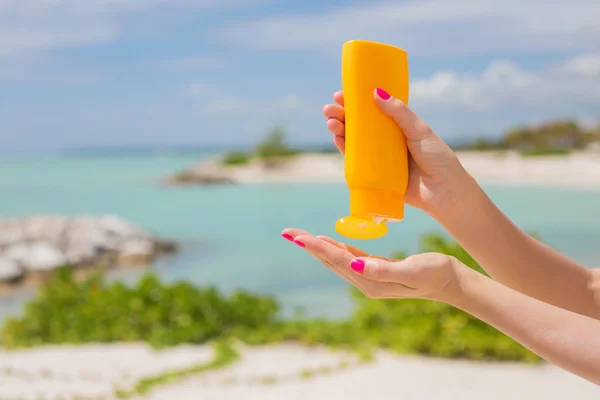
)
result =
(274, 145)
(236, 158)
(67, 311)
(549, 138)
(545, 152)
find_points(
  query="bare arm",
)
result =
(567, 339)
(440, 186)
(514, 258)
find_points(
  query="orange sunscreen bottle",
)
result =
(376, 163)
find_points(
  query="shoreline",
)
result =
(579, 170)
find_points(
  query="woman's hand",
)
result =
(430, 276)
(437, 179)
(567, 339)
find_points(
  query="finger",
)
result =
(338, 97)
(336, 127)
(356, 252)
(291, 233)
(382, 270)
(334, 111)
(337, 259)
(340, 143)
(333, 257)
(414, 128)
(336, 256)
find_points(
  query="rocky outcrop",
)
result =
(207, 172)
(305, 167)
(36, 245)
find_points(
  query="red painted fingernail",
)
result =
(358, 265)
(299, 243)
(383, 94)
(287, 237)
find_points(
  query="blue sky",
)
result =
(78, 73)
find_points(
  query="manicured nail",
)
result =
(358, 265)
(287, 237)
(383, 94)
(299, 243)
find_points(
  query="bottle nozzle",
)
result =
(361, 229)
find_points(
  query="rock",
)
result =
(91, 235)
(136, 252)
(31, 247)
(10, 237)
(43, 256)
(117, 226)
(44, 227)
(10, 271)
(78, 253)
(17, 252)
(164, 246)
(193, 177)
(11, 232)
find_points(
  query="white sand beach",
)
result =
(579, 170)
(276, 372)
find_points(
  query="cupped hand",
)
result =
(436, 176)
(430, 276)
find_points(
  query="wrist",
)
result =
(462, 277)
(462, 198)
(466, 278)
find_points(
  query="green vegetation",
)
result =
(67, 311)
(551, 138)
(236, 158)
(224, 355)
(272, 147)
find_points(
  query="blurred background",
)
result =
(152, 152)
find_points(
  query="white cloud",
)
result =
(505, 84)
(31, 30)
(432, 27)
(34, 25)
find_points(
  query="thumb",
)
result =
(414, 128)
(382, 270)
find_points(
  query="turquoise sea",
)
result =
(230, 235)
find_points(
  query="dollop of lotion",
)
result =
(361, 229)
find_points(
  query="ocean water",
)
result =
(230, 235)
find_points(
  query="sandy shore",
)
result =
(276, 372)
(580, 170)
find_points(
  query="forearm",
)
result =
(566, 339)
(514, 258)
